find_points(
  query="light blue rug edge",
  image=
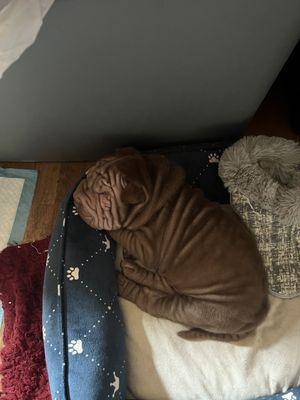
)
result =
(18, 230)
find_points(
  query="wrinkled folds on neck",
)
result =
(166, 180)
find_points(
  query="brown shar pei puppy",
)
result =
(185, 258)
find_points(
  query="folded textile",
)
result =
(23, 364)
(185, 258)
(262, 175)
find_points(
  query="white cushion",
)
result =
(164, 366)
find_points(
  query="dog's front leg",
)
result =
(137, 245)
(142, 276)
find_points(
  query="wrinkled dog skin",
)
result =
(185, 258)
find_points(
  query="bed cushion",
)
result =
(82, 324)
(163, 366)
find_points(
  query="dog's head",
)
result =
(113, 188)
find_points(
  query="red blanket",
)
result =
(21, 286)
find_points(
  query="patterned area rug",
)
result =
(16, 193)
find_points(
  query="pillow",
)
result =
(163, 366)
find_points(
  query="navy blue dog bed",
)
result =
(82, 324)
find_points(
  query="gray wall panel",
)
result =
(106, 73)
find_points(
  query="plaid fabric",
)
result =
(279, 246)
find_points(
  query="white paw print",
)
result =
(44, 333)
(289, 396)
(115, 384)
(213, 158)
(106, 243)
(73, 274)
(75, 347)
(74, 210)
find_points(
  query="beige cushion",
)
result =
(164, 366)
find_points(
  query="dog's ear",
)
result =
(126, 151)
(133, 171)
(133, 194)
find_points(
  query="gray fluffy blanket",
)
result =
(262, 175)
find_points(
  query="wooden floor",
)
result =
(55, 179)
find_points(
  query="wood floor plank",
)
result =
(18, 165)
(70, 173)
(54, 182)
(42, 213)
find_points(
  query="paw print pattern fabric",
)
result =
(292, 394)
(82, 325)
(201, 165)
(75, 347)
(213, 158)
(73, 273)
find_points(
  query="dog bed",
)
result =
(160, 365)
